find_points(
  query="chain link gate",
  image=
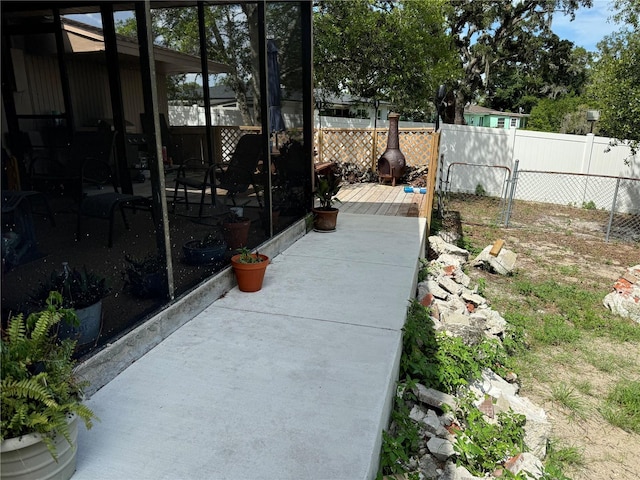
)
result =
(483, 183)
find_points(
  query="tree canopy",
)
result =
(615, 84)
(232, 38)
(501, 53)
(374, 49)
(491, 35)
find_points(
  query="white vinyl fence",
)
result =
(536, 151)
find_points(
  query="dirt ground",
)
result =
(566, 245)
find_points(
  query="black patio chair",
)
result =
(235, 177)
(242, 171)
(100, 197)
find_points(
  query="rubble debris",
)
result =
(624, 300)
(502, 263)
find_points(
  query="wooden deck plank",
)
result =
(384, 193)
(399, 199)
(371, 197)
(354, 200)
(390, 199)
(380, 199)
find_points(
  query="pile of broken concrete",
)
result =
(624, 300)
(458, 309)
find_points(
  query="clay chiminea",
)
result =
(392, 163)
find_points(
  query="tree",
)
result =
(384, 50)
(487, 34)
(231, 32)
(548, 114)
(554, 68)
(615, 84)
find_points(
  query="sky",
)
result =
(588, 28)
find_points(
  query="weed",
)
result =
(584, 386)
(464, 242)
(482, 286)
(607, 363)
(566, 396)
(569, 270)
(590, 205)
(480, 191)
(482, 445)
(401, 441)
(555, 330)
(559, 458)
(424, 270)
(622, 407)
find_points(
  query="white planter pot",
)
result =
(90, 323)
(27, 457)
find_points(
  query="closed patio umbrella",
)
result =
(275, 113)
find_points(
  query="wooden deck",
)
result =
(381, 199)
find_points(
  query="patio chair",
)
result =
(195, 175)
(96, 177)
(235, 177)
(242, 171)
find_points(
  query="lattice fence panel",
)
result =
(417, 146)
(228, 138)
(356, 146)
(346, 146)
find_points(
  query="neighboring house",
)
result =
(39, 99)
(478, 116)
(329, 111)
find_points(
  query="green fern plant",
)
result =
(39, 391)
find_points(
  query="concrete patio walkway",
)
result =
(292, 382)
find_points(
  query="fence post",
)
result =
(374, 149)
(514, 181)
(320, 147)
(613, 208)
(440, 193)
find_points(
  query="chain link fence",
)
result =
(608, 205)
(597, 205)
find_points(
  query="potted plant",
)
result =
(145, 277)
(205, 251)
(249, 269)
(325, 216)
(41, 397)
(235, 228)
(81, 290)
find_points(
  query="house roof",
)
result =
(87, 39)
(478, 110)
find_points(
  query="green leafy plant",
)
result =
(590, 205)
(39, 390)
(327, 187)
(481, 446)
(140, 275)
(247, 257)
(559, 458)
(79, 288)
(423, 272)
(402, 440)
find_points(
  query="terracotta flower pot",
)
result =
(249, 275)
(325, 220)
(236, 233)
